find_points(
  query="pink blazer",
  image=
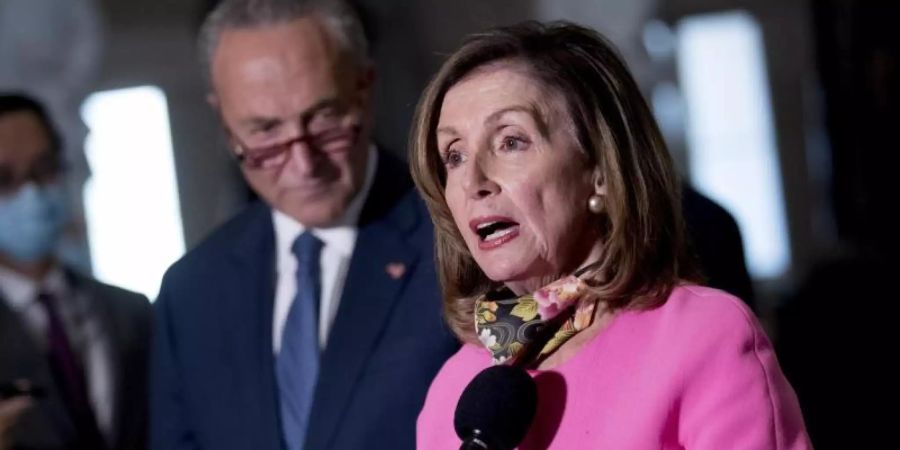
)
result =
(697, 373)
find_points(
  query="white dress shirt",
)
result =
(83, 326)
(338, 243)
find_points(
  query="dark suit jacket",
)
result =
(213, 379)
(126, 317)
(716, 242)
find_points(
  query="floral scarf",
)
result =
(522, 331)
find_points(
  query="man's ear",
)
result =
(213, 102)
(365, 81)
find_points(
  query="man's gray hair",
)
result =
(337, 15)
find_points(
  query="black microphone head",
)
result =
(498, 406)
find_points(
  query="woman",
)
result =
(561, 249)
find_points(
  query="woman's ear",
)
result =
(597, 201)
(599, 182)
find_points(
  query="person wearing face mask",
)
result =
(66, 340)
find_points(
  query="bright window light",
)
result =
(731, 141)
(131, 200)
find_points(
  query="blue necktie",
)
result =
(297, 364)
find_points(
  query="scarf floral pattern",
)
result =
(523, 330)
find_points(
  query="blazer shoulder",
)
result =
(394, 200)
(254, 219)
(109, 293)
(713, 307)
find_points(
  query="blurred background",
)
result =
(782, 111)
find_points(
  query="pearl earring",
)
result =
(595, 204)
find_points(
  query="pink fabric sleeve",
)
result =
(735, 395)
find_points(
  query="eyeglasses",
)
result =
(328, 129)
(44, 171)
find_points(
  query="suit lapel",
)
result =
(21, 357)
(379, 268)
(116, 340)
(248, 303)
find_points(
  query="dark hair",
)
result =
(18, 102)
(644, 246)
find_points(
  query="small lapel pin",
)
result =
(395, 270)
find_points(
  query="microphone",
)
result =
(496, 409)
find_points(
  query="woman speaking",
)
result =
(561, 249)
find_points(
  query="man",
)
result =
(312, 319)
(73, 352)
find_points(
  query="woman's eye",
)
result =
(453, 158)
(513, 143)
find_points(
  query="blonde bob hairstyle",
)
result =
(644, 251)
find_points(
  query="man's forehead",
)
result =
(17, 120)
(277, 71)
(23, 137)
(22, 128)
(305, 39)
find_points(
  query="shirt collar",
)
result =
(20, 291)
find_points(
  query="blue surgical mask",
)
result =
(31, 220)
